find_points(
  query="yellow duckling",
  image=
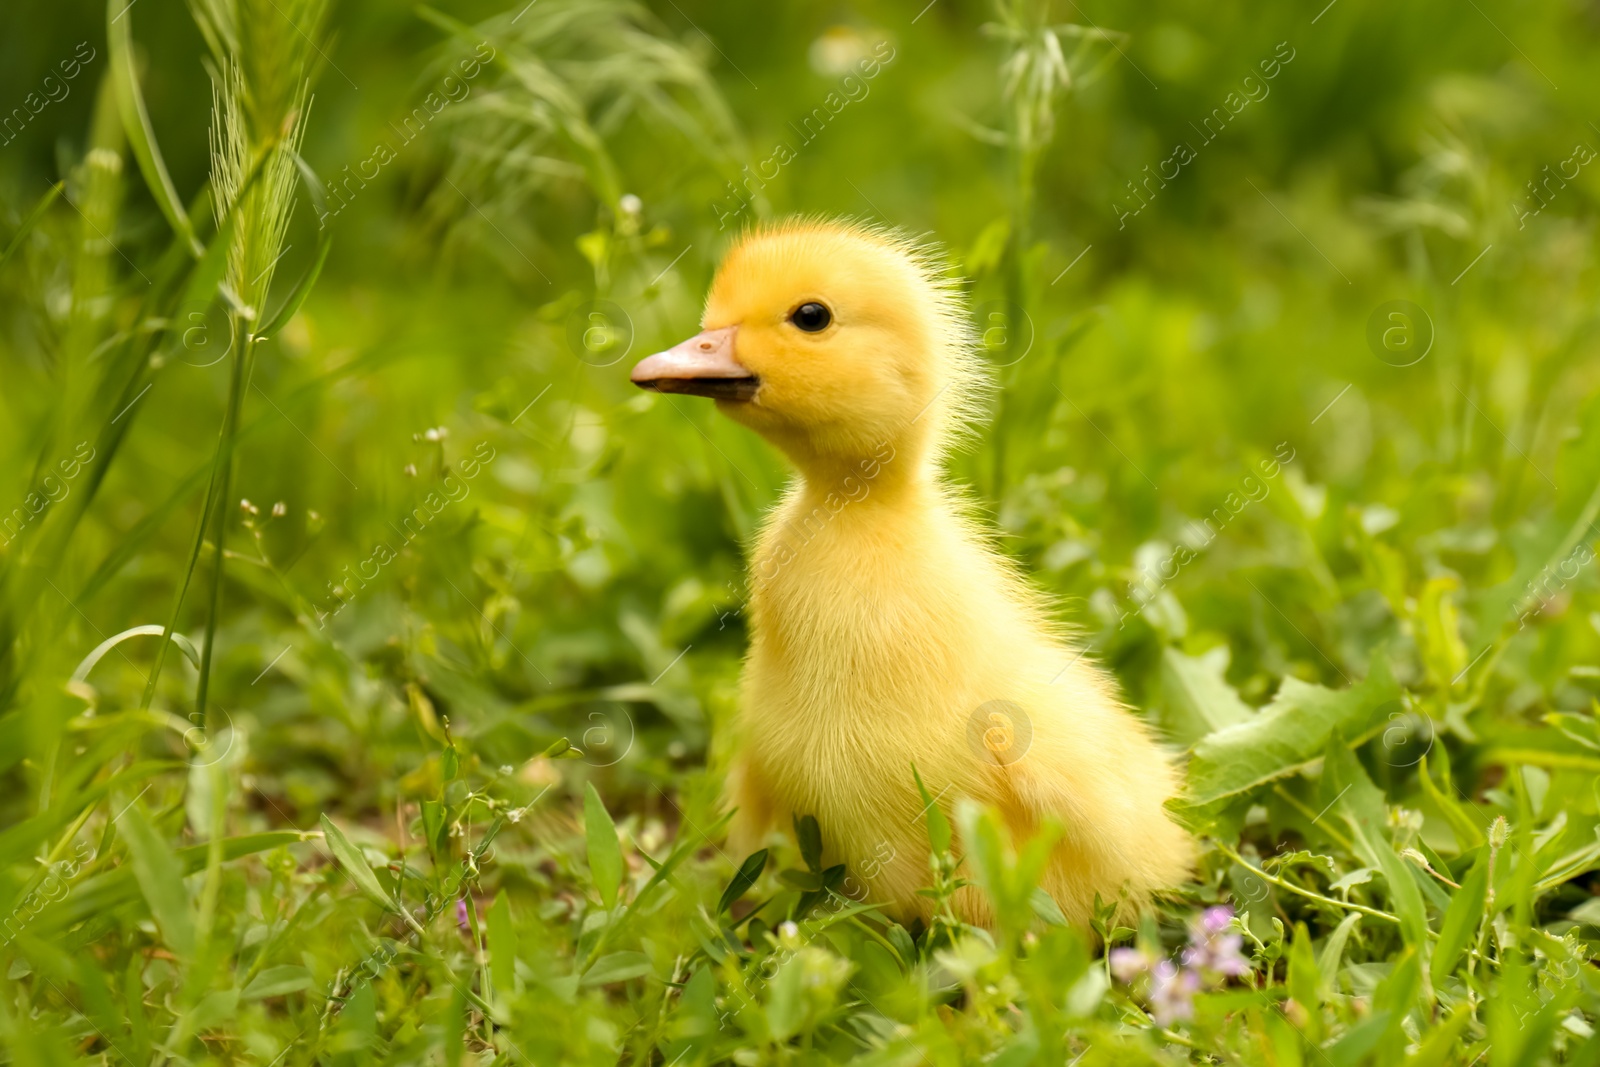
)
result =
(885, 628)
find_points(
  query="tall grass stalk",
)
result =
(1042, 62)
(261, 75)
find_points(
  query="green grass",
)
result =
(429, 769)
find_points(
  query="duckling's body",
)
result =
(886, 631)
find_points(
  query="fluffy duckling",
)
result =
(885, 629)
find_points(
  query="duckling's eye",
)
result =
(812, 318)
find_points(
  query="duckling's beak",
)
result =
(704, 365)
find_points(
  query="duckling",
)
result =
(886, 630)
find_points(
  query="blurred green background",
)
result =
(1157, 336)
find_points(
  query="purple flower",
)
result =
(461, 914)
(1211, 948)
(1172, 991)
(1129, 963)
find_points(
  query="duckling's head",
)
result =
(830, 340)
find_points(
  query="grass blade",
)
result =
(301, 290)
(605, 854)
(30, 222)
(136, 121)
(160, 878)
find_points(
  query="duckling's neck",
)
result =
(859, 462)
(892, 471)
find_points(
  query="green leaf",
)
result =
(1045, 906)
(617, 967)
(96, 654)
(455, 1027)
(605, 853)
(1333, 950)
(1366, 816)
(276, 981)
(1286, 735)
(355, 865)
(502, 946)
(805, 881)
(939, 835)
(136, 122)
(1199, 700)
(97, 895)
(1359, 1041)
(212, 1011)
(743, 879)
(1304, 981)
(30, 222)
(434, 827)
(1442, 1044)
(562, 749)
(1467, 830)
(1461, 918)
(786, 999)
(160, 878)
(809, 836)
(301, 289)
(985, 845)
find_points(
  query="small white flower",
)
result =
(630, 204)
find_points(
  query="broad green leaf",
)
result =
(605, 852)
(502, 935)
(160, 878)
(1442, 1044)
(1199, 700)
(617, 967)
(1461, 918)
(212, 1011)
(1286, 735)
(276, 981)
(743, 879)
(1333, 951)
(355, 865)
(1467, 830)
(1358, 1042)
